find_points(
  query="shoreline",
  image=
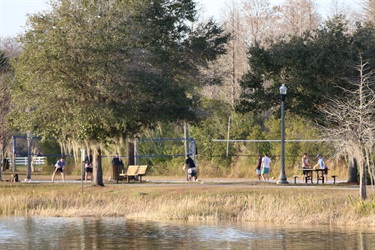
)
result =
(207, 200)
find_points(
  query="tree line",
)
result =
(98, 73)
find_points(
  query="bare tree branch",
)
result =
(351, 126)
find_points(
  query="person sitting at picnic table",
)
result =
(306, 165)
(322, 165)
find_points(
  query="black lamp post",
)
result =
(282, 178)
(29, 157)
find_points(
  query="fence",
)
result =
(36, 160)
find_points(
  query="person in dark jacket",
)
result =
(191, 168)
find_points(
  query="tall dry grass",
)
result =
(276, 204)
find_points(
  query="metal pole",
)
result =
(83, 155)
(186, 131)
(29, 140)
(14, 153)
(282, 178)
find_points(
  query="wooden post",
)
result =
(130, 151)
(186, 131)
(136, 143)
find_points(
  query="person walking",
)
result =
(266, 167)
(258, 166)
(59, 167)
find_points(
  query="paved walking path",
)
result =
(163, 179)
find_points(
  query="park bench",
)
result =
(136, 171)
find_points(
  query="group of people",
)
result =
(263, 166)
(321, 164)
(60, 167)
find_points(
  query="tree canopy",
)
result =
(314, 67)
(91, 70)
(94, 71)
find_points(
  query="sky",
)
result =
(13, 13)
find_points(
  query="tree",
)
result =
(312, 66)
(9, 50)
(94, 71)
(228, 69)
(299, 16)
(259, 18)
(369, 11)
(4, 105)
(351, 124)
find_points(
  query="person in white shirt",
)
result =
(266, 167)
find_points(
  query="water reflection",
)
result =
(115, 233)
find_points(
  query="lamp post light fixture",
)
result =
(282, 178)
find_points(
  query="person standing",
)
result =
(266, 167)
(191, 168)
(59, 167)
(88, 167)
(258, 166)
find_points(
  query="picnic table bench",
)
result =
(319, 175)
(308, 175)
(136, 171)
(334, 178)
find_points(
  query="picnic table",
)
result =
(309, 174)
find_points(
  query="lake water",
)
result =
(118, 233)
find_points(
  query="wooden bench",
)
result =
(135, 171)
(334, 178)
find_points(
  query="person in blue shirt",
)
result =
(59, 167)
(322, 165)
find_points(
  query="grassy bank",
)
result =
(238, 202)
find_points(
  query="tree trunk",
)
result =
(362, 183)
(1, 166)
(98, 170)
(130, 152)
(353, 172)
